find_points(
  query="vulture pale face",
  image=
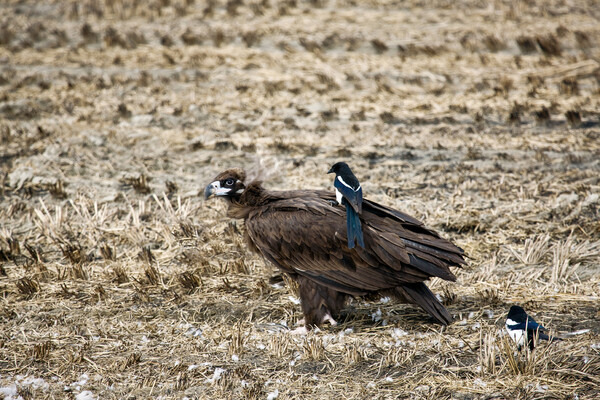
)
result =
(228, 184)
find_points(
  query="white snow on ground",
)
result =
(83, 379)
(216, 375)
(11, 392)
(85, 395)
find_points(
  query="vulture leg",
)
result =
(419, 294)
(319, 303)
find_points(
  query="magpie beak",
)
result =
(331, 171)
(215, 189)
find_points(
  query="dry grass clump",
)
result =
(118, 281)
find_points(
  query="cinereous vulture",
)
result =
(303, 233)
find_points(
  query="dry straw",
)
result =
(118, 281)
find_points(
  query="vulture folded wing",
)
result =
(422, 241)
(305, 234)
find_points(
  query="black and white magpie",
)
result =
(522, 328)
(349, 194)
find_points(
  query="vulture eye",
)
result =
(229, 182)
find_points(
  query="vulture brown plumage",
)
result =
(303, 233)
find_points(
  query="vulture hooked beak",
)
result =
(215, 189)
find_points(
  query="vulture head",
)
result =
(228, 184)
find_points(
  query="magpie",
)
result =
(349, 194)
(523, 328)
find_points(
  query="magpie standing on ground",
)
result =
(349, 194)
(523, 329)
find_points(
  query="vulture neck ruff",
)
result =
(253, 196)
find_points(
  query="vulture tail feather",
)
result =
(354, 228)
(419, 294)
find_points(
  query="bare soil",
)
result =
(481, 118)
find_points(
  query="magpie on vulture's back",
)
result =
(348, 193)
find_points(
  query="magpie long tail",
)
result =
(532, 334)
(549, 338)
(354, 228)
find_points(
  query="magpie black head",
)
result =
(340, 168)
(517, 314)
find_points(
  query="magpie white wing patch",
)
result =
(348, 186)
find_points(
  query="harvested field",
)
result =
(118, 281)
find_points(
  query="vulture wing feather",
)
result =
(301, 231)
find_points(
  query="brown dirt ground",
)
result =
(117, 281)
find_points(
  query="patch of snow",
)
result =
(85, 395)
(10, 392)
(36, 383)
(397, 332)
(376, 316)
(216, 375)
(83, 379)
(385, 300)
(235, 358)
(479, 382)
(566, 199)
(488, 313)
(294, 299)
(592, 198)
(191, 330)
(541, 388)
(296, 358)
(195, 332)
(273, 395)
